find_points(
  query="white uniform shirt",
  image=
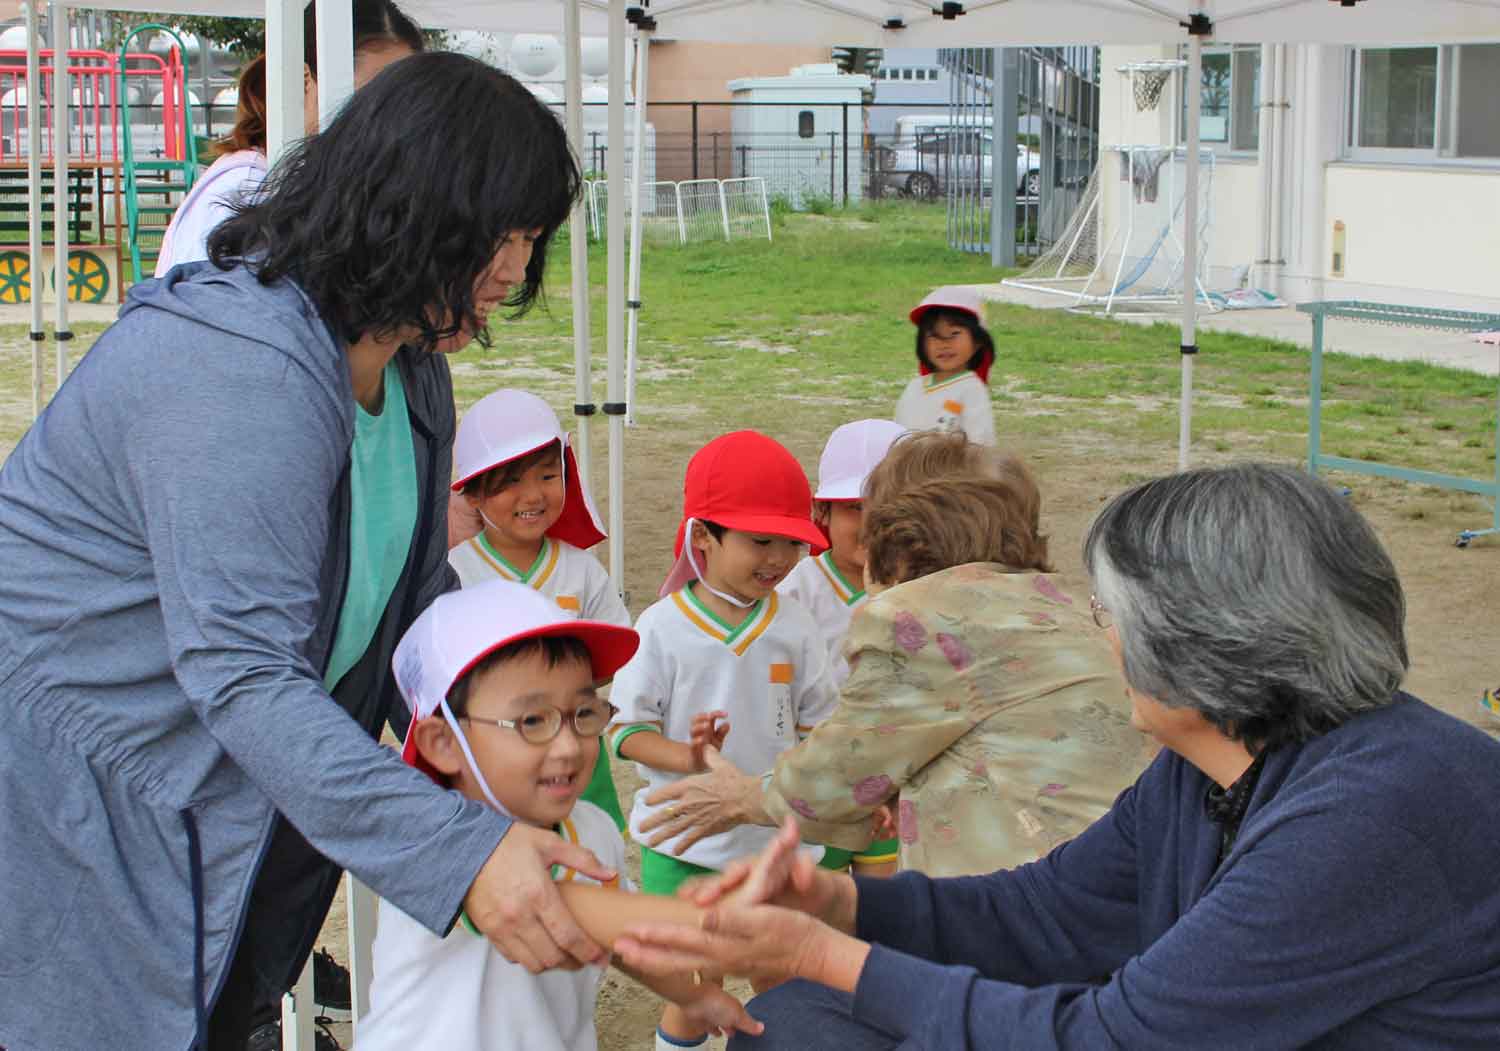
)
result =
(571, 577)
(233, 178)
(458, 992)
(960, 403)
(770, 674)
(818, 586)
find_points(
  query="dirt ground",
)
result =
(1453, 597)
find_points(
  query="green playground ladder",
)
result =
(156, 179)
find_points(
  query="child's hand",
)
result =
(708, 732)
(720, 1013)
(883, 821)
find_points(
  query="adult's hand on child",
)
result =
(720, 1013)
(708, 732)
(515, 904)
(702, 805)
(781, 874)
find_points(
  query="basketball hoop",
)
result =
(1146, 85)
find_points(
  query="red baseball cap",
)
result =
(745, 481)
(963, 300)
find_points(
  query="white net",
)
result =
(689, 211)
(1146, 85)
(1123, 249)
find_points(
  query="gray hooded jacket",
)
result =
(173, 553)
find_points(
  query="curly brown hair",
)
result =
(939, 500)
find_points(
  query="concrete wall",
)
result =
(694, 71)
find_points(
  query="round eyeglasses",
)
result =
(1101, 615)
(541, 726)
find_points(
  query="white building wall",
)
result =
(1421, 235)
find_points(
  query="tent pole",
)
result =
(1189, 347)
(614, 405)
(335, 58)
(283, 76)
(578, 246)
(637, 157)
(60, 100)
(34, 200)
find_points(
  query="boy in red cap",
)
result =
(954, 354)
(502, 687)
(518, 473)
(722, 640)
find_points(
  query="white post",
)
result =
(723, 210)
(335, 58)
(1194, 89)
(38, 276)
(283, 75)
(60, 100)
(360, 906)
(578, 245)
(637, 180)
(615, 275)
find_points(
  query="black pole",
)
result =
(833, 166)
(716, 154)
(846, 155)
(695, 140)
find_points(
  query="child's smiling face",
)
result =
(949, 347)
(746, 565)
(527, 503)
(842, 524)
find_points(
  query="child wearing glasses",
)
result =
(517, 472)
(502, 687)
(954, 355)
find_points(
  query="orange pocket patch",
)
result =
(781, 673)
(569, 602)
(955, 407)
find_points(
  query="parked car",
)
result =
(924, 167)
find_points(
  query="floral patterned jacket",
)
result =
(990, 702)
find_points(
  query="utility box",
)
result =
(803, 133)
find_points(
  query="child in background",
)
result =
(517, 471)
(503, 658)
(721, 640)
(954, 355)
(832, 585)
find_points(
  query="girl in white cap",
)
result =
(516, 470)
(954, 355)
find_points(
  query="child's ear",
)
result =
(473, 497)
(700, 535)
(438, 746)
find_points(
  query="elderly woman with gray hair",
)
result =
(1309, 862)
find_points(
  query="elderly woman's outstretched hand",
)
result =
(770, 918)
(704, 805)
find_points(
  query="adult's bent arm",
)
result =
(231, 467)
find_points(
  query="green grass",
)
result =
(806, 331)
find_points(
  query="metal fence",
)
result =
(689, 211)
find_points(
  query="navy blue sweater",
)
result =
(1359, 908)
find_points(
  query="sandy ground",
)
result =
(1453, 600)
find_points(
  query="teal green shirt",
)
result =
(382, 515)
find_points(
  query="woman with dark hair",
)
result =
(1308, 863)
(214, 536)
(980, 695)
(382, 35)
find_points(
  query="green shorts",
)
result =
(663, 874)
(881, 852)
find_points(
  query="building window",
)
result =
(906, 74)
(805, 124)
(1424, 103)
(1230, 91)
(921, 74)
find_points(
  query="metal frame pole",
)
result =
(614, 405)
(578, 248)
(638, 167)
(61, 99)
(38, 274)
(1189, 346)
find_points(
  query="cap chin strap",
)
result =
(687, 541)
(463, 743)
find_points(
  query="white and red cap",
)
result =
(851, 454)
(461, 628)
(508, 425)
(747, 481)
(965, 300)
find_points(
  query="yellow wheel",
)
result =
(88, 277)
(15, 277)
